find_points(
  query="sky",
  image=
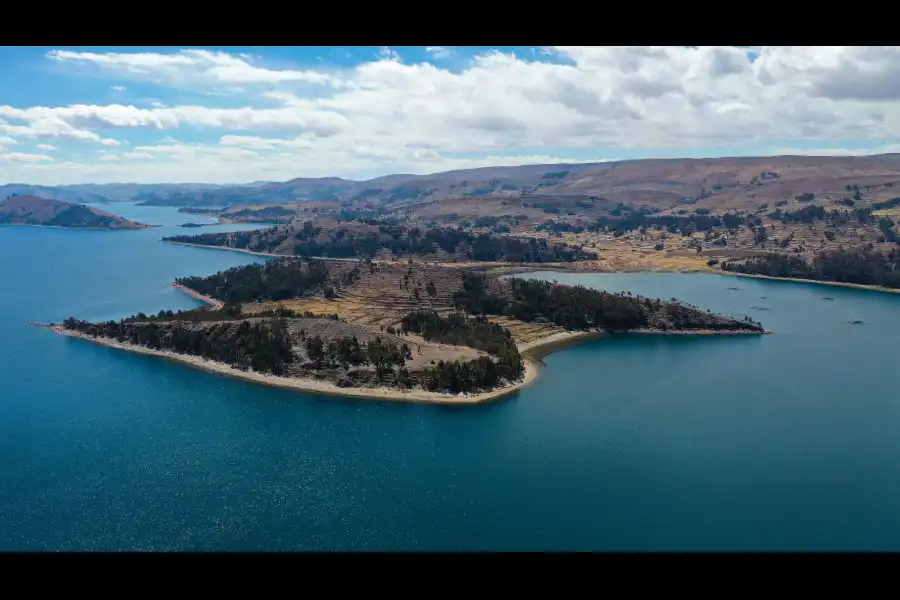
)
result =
(242, 114)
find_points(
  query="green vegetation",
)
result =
(582, 308)
(559, 227)
(229, 312)
(264, 346)
(266, 212)
(813, 213)
(626, 219)
(485, 372)
(864, 266)
(399, 240)
(277, 279)
(886, 204)
(348, 352)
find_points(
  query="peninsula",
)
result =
(403, 330)
(41, 212)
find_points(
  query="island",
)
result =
(41, 212)
(413, 330)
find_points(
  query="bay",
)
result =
(780, 442)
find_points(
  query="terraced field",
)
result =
(383, 295)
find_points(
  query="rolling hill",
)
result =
(716, 184)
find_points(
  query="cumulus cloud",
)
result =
(387, 53)
(46, 147)
(386, 115)
(43, 126)
(119, 88)
(438, 52)
(188, 66)
(24, 158)
(110, 142)
(5, 140)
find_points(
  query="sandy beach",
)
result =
(313, 385)
(532, 353)
(267, 254)
(216, 304)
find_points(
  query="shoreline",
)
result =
(266, 254)
(216, 304)
(314, 386)
(536, 350)
(532, 355)
(226, 248)
(858, 286)
(549, 269)
(508, 270)
(141, 226)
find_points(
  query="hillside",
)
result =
(31, 210)
(739, 183)
(325, 238)
(665, 184)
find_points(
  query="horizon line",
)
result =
(561, 164)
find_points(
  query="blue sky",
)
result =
(232, 114)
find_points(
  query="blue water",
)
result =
(781, 442)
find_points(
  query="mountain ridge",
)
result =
(661, 183)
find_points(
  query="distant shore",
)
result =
(858, 286)
(503, 271)
(139, 226)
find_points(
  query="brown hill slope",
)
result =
(31, 210)
(715, 183)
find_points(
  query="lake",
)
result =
(781, 442)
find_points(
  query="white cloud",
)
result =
(386, 116)
(789, 151)
(119, 88)
(387, 53)
(46, 126)
(25, 158)
(7, 141)
(188, 67)
(438, 52)
(110, 142)
(46, 147)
